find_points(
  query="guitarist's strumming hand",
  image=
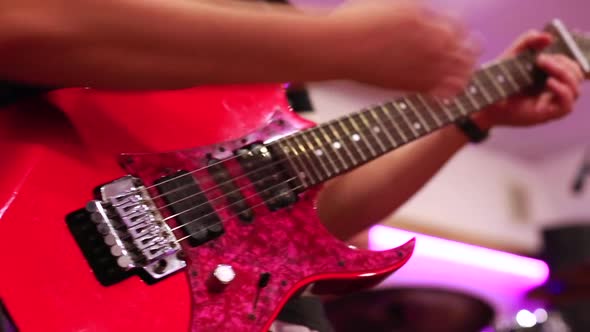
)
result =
(403, 45)
(556, 99)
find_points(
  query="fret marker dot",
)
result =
(529, 67)
(446, 102)
(377, 129)
(500, 79)
(302, 175)
(356, 137)
(417, 125)
(319, 152)
(403, 106)
(473, 90)
(337, 145)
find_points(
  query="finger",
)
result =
(572, 66)
(532, 39)
(563, 94)
(542, 105)
(557, 69)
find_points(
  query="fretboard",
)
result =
(330, 149)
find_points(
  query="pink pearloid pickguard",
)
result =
(290, 244)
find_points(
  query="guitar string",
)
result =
(278, 161)
(249, 173)
(322, 147)
(396, 117)
(209, 202)
(485, 85)
(236, 203)
(274, 163)
(366, 149)
(222, 221)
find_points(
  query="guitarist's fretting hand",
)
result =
(555, 101)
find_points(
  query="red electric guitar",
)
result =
(214, 238)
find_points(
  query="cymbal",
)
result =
(409, 310)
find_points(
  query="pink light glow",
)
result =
(383, 238)
(502, 279)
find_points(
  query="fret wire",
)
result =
(382, 124)
(286, 151)
(313, 151)
(507, 73)
(306, 159)
(432, 113)
(359, 132)
(349, 134)
(468, 104)
(319, 152)
(493, 91)
(309, 155)
(308, 173)
(446, 111)
(406, 121)
(412, 116)
(453, 107)
(499, 88)
(527, 77)
(372, 131)
(340, 139)
(483, 89)
(333, 147)
(393, 130)
(386, 110)
(420, 118)
(496, 72)
(327, 149)
(462, 109)
(471, 92)
(526, 64)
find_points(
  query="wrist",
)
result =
(483, 120)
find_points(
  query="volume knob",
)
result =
(220, 278)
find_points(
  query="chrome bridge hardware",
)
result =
(132, 227)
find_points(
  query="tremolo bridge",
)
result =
(131, 233)
(131, 227)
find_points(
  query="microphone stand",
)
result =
(583, 173)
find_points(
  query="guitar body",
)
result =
(54, 158)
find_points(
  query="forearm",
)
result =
(367, 195)
(158, 43)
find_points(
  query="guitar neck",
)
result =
(330, 149)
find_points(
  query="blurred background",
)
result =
(504, 230)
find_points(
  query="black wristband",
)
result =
(472, 130)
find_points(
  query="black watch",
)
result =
(472, 130)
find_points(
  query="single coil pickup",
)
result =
(190, 207)
(269, 177)
(233, 196)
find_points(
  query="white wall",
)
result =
(557, 174)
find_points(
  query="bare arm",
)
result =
(163, 44)
(154, 43)
(367, 195)
(370, 193)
